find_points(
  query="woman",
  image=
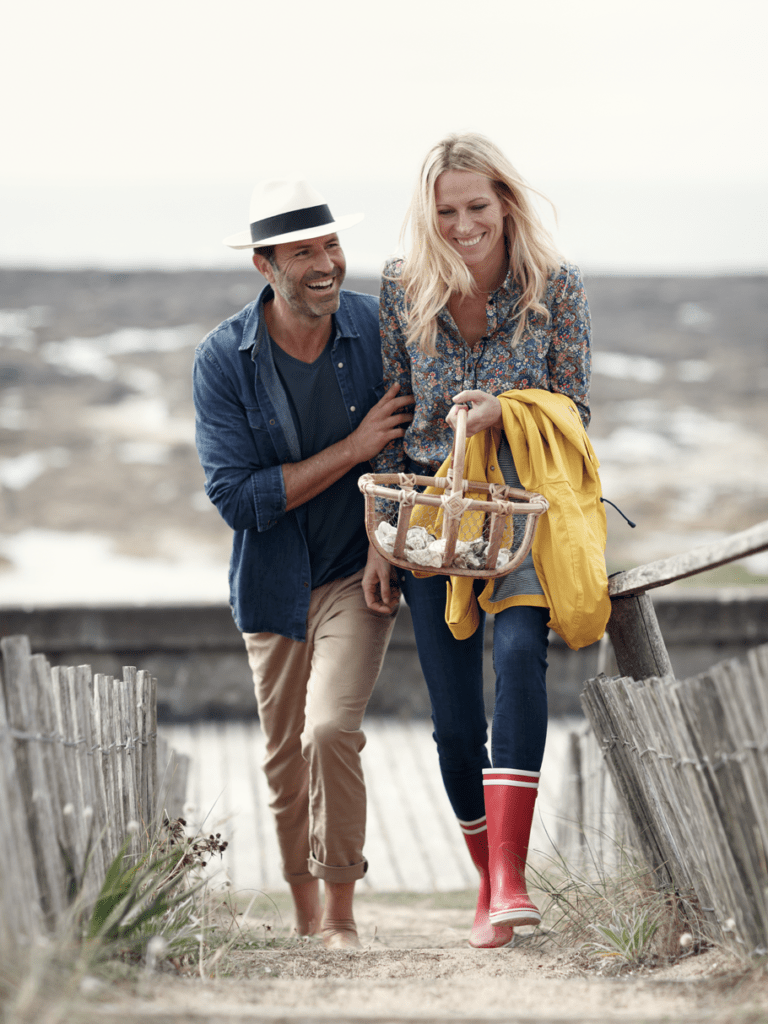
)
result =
(481, 307)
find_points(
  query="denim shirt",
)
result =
(244, 433)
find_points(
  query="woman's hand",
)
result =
(382, 595)
(484, 411)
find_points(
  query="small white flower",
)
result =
(88, 813)
(730, 925)
(132, 828)
(686, 939)
(155, 948)
(68, 809)
(89, 984)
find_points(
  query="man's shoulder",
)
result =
(359, 301)
(358, 314)
(228, 336)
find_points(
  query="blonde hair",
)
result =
(432, 271)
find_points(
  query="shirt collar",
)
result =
(343, 322)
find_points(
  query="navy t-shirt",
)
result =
(334, 519)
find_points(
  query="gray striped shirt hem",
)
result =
(523, 580)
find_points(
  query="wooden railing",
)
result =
(633, 627)
(689, 763)
(685, 761)
(79, 763)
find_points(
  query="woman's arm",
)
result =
(569, 359)
(396, 363)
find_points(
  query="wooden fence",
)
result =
(79, 761)
(594, 832)
(685, 762)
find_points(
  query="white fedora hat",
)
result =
(287, 211)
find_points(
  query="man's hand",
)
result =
(383, 423)
(382, 595)
(305, 479)
(484, 411)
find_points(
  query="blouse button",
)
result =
(351, 408)
(340, 365)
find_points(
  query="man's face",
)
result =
(308, 275)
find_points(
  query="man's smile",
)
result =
(321, 286)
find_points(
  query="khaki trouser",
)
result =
(312, 697)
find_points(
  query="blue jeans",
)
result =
(453, 670)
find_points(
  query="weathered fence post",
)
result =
(19, 891)
(636, 638)
(688, 757)
(28, 741)
(78, 760)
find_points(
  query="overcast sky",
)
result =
(660, 97)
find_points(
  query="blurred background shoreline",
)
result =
(101, 493)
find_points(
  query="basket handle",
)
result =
(459, 446)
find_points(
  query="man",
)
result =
(288, 395)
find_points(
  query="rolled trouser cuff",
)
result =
(332, 873)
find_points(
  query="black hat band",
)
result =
(294, 220)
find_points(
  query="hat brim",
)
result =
(242, 240)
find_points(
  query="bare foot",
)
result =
(307, 906)
(339, 930)
(340, 935)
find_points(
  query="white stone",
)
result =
(425, 556)
(418, 537)
(385, 534)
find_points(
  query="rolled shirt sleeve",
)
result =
(247, 494)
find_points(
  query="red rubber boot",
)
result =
(509, 801)
(483, 934)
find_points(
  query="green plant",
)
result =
(628, 935)
(148, 909)
(137, 901)
(617, 917)
(152, 898)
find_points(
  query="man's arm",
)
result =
(382, 424)
(250, 495)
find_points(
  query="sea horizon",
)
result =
(606, 228)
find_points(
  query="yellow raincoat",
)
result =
(554, 457)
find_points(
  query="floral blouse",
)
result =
(553, 355)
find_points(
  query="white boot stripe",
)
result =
(469, 824)
(510, 782)
(474, 831)
(510, 771)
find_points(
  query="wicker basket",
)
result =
(473, 522)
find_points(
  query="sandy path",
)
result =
(417, 967)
